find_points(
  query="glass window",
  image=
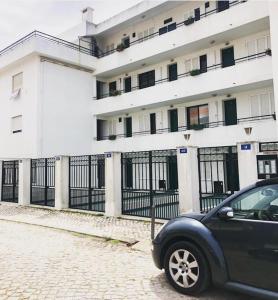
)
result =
(17, 81)
(17, 124)
(203, 114)
(198, 115)
(260, 203)
(193, 115)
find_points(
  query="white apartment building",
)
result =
(173, 102)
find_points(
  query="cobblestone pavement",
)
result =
(98, 225)
(44, 263)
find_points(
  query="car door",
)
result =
(250, 239)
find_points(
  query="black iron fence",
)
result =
(50, 38)
(189, 73)
(218, 175)
(185, 128)
(43, 181)
(150, 178)
(10, 181)
(174, 27)
(87, 182)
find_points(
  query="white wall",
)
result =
(66, 122)
(251, 17)
(23, 144)
(141, 119)
(213, 57)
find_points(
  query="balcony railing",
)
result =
(189, 73)
(47, 37)
(182, 23)
(185, 128)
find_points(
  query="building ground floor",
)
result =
(172, 181)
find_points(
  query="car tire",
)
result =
(186, 268)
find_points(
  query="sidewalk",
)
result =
(125, 230)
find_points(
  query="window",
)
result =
(197, 115)
(267, 166)
(260, 203)
(173, 120)
(146, 79)
(127, 84)
(257, 45)
(192, 64)
(17, 82)
(172, 72)
(227, 57)
(128, 127)
(112, 88)
(168, 28)
(168, 20)
(16, 124)
(153, 123)
(262, 104)
(162, 30)
(189, 14)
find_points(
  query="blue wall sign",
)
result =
(108, 155)
(246, 147)
(183, 150)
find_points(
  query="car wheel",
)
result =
(186, 268)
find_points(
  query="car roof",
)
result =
(267, 181)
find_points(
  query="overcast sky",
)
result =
(19, 17)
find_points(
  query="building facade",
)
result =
(173, 102)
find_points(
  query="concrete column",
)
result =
(62, 182)
(24, 181)
(188, 179)
(1, 168)
(247, 163)
(113, 193)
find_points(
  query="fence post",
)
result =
(152, 204)
(113, 188)
(61, 182)
(1, 174)
(188, 177)
(24, 181)
(247, 163)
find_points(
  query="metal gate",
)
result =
(10, 181)
(43, 181)
(148, 178)
(218, 175)
(87, 182)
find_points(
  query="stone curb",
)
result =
(127, 241)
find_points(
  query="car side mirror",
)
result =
(225, 213)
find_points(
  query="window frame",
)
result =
(188, 115)
(12, 124)
(242, 196)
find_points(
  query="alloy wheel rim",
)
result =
(184, 268)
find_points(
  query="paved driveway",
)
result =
(44, 263)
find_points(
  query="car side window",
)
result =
(260, 203)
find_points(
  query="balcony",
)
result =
(214, 134)
(251, 17)
(48, 46)
(248, 72)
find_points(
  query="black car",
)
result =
(235, 245)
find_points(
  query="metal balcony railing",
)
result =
(50, 38)
(189, 73)
(185, 128)
(179, 24)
